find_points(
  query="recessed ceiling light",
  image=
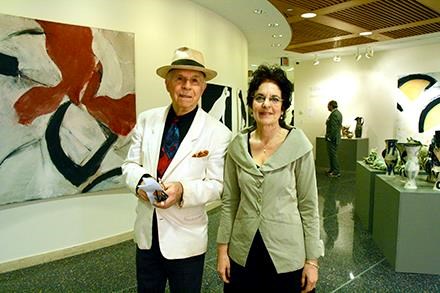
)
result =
(258, 11)
(272, 24)
(289, 9)
(365, 33)
(275, 36)
(337, 58)
(308, 15)
(276, 45)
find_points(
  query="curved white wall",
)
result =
(160, 26)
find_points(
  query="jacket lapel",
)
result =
(154, 141)
(238, 151)
(295, 146)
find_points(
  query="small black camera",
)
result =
(160, 196)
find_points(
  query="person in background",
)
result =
(268, 237)
(333, 138)
(182, 148)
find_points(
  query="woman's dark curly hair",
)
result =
(273, 74)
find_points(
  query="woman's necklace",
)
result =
(268, 143)
(264, 146)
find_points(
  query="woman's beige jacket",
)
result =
(278, 198)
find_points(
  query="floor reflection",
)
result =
(352, 262)
(330, 215)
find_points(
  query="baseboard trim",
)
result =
(77, 249)
(64, 253)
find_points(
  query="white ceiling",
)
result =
(259, 34)
(255, 27)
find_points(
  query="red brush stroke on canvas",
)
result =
(105, 108)
(70, 47)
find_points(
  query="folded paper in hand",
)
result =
(149, 185)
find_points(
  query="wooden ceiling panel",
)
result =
(414, 31)
(385, 13)
(345, 19)
(308, 31)
(334, 44)
(312, 4)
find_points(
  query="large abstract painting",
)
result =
(418, 106)
(67, 108)
(216, 100)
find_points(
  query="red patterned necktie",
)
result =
(169, 147)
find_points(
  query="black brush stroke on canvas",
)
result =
(73, 172)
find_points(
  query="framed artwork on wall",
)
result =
(67, 108)
(216, 100)
(418, 106)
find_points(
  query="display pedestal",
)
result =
(350, 151)
(406, 224)
(364, 197)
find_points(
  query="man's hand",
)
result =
(174, 190)
(142, 194)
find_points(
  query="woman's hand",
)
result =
(309, 275)
(223, 262)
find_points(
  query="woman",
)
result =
(268, 237)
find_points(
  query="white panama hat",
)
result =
(188, 59)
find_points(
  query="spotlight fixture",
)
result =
(316, 60)
(358, 55)
(369, 53)
(274, 24)
(258, 11)
(337, 58)
(276, 36)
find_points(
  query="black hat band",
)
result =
(187, 62)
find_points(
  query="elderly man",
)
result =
(182, 148)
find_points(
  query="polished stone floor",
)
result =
(352, 262)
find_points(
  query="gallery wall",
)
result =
(67, 226)
(367, 88)
(160, 26)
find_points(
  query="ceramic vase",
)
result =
(412, 166)
(433, 159)
(390, 155)
(358, 129)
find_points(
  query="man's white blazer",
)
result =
(182, 230)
